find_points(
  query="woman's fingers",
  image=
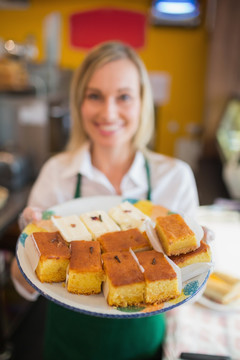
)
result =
(29, 214)
(32, 214)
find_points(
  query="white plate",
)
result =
(213, 305)
(225, 224)
(96, 304)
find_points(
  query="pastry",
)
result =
(98, 223)
(222, 288)
(161, 282)
(124, 285)
(150, 209)
(85, 273)
(123, 240)
(175, 235)
(71, 228)
(200, 255)
(49, 255)
(127, 216)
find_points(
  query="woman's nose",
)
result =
(109, 109)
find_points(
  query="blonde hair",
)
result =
(97, 57)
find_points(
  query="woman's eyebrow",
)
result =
(120, 90)
(92, 89)
(125, 89)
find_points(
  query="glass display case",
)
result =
(228, 140)
(228, 133)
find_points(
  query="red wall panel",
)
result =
(90, 28)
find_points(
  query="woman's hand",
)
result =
(29, 214)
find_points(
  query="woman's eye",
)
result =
(93, 96)
(124, 97)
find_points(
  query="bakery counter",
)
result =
(211, 326)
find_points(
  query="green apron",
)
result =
(74, 336)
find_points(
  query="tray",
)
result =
(96, 305)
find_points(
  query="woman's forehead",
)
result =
(121, 73)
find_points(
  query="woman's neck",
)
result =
(113, 163)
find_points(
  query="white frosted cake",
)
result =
(127, 216)
(98, 223)
(71, 228)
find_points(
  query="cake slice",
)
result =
(123, 240)
(85, 273)
(47, 225)
(98, 223)
(71, 228)
(127, 216)
(200, 255)
(175, 235)
(49, 255)
(124, 285)
(150, 209)
(160, 277)
(222, 288)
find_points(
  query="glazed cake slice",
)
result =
(124, 285)
(49, 255)
(200, 255)
(85, 273)
(98, 223)
(127, 216)
(175, 235)
(160, 277)
(123, 240)
(71, 228)
(150, 209)
(47, 225)
(222, 288)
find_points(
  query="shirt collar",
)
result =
(81, 163)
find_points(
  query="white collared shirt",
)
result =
(172, 181)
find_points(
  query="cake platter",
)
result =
(96, 305)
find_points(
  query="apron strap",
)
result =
(78, 186)
(149, 192)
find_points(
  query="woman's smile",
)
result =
(108, 129)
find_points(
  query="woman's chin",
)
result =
(111, 143)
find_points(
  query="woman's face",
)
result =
(112, 104)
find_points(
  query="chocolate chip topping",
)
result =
(117, 258)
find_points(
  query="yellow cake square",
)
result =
(124, 285)
(175, 235)
(85, 273)
(50, 253)
(160, 277)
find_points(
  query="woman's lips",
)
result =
(107, 129)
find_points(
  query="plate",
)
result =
(96, 305)
(225, 224)
(213, 305)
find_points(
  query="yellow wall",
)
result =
(177, 51)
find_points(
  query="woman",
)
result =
(112, 123)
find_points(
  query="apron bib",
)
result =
(74, 336)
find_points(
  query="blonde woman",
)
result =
(112, 123)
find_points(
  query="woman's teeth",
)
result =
(110, 127)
